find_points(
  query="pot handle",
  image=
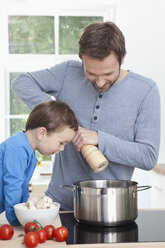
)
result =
(67, 187)
(141, 188)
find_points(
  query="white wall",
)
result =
(142, 22)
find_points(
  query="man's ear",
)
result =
(41, 133)
(122, 61)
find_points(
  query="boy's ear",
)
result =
(41, 132)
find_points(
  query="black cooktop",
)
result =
(148, 227)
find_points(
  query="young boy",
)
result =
(49, 127)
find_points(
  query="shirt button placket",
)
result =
(96, 111)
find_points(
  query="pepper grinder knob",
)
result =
(94, 158)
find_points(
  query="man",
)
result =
(117, 110)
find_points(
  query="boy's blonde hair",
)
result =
(53, 115)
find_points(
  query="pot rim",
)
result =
(116, 182)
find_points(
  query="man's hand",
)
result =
(84, 137)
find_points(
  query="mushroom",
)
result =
(31, 202)
(47, 199)
(43, 203)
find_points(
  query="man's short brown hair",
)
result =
(53, 115)
(98, 40)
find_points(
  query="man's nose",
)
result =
(100, 81)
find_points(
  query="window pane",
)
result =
(17, 125)
(31, 34)
(16, 104)
(69, 31)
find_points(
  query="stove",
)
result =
(148, 227)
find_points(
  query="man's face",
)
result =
(102, 73)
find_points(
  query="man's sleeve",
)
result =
(144, 150)
(31, 87)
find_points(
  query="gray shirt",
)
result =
(127, 118)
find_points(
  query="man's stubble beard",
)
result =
(110, 83)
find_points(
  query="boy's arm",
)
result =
(15, 164)
(25, 196)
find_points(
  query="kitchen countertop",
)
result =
(160, 168)
(17, 241)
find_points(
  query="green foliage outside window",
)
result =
(17, 107)
(31, 34)
(17, 125)
(36, 34)
(70, 28)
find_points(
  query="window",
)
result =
(31, 34)
(35, 41)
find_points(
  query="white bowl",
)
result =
(43, 216)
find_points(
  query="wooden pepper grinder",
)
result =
(94, 158)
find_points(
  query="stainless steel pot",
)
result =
(105, 202)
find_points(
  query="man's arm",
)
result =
(31, 87)
(144, 150)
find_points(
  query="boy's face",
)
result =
(54, 142)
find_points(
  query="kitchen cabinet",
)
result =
(38, 190)
(143, 177)
(40, 179)
(42, 173)
(158, 186)
(154, 197)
